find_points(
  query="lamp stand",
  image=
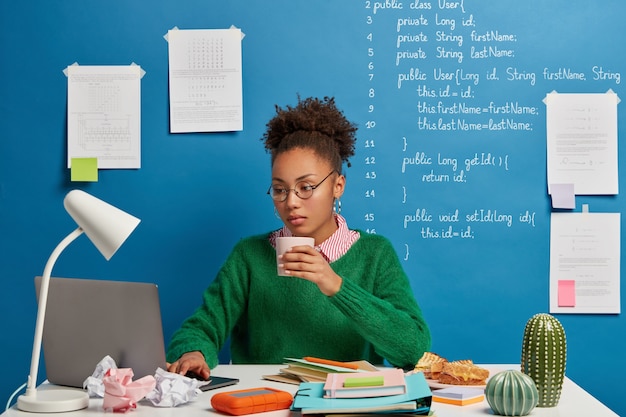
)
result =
(54, 401)
(49, 400)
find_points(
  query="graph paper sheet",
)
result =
(104, 115)
(205, 80)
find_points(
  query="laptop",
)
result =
(88, 319)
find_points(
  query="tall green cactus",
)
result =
(544, 351)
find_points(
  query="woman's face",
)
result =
(313, 216)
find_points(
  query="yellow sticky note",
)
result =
(84, 169)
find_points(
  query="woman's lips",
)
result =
(296, 220)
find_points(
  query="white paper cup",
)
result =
(283, 244)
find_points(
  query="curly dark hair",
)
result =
(312, 124)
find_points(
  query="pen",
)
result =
(331, 362)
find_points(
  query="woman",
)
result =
(345, 299)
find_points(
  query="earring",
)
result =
(337, 206)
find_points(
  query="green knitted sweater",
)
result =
(271, 317)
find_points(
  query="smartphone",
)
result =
(218, 382)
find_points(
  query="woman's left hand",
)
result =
(307, 263)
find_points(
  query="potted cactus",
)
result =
(511, 393)
(543, 357)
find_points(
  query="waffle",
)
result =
(431, 365)
(463, 372)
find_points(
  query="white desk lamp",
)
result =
(107, 227)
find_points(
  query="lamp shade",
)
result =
(105, 225)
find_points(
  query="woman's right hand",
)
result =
(191, 362)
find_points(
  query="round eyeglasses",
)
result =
(302, 189)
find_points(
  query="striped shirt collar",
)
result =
(332, 248)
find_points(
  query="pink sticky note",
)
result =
(567, 293)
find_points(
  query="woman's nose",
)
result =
(292, 199)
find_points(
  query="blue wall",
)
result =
(197, 194)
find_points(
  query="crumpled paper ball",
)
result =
(121, 393)
(93, 384)
(173, 389)
(170, 389)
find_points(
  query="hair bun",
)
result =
(311, 120)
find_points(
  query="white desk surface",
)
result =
(574, 400)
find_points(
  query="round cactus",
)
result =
(511, 393)
(543, 357)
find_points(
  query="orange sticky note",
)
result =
(567, 293)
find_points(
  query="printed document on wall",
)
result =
(585, 263)
(205, 80)
(582, 142)
(104, 114)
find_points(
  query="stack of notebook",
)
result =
(365, 384)
(369, 392)
(316, 370)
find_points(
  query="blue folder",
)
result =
(310, 395)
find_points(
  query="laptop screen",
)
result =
(87, 320)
